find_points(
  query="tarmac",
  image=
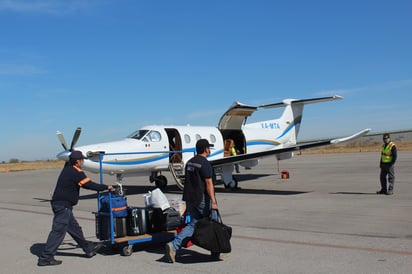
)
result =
(326, 218)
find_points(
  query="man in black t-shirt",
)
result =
(65, 196)
(198, 193)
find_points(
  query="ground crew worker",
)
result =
(389, 155)
(66, 195)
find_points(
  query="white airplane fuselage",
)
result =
(155, 148)
(133, 156)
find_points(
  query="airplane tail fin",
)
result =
(288, 125)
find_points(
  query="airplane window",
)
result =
(138, 134)
(198, 137)
(187, 139)
(154, 136)
(212, 138)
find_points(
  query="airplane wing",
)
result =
(249, 156)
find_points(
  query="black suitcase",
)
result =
(103, 227)
(164, 220)
(137, 218)
(120, 228)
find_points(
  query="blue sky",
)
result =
(111, 67)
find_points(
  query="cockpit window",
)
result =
(138, 134)
(146, 135)
(154, 136)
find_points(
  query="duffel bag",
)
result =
(119, 204)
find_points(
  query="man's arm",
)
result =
(394, 154)
(89, 184)
(210, 189)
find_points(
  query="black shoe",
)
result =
(381, 192)
(96, 248)
(51, 262)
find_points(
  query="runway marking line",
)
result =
(369, 249)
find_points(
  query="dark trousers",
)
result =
(387, 176)
(63, 221)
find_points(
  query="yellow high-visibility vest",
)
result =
(387, 153)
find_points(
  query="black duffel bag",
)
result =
(213, 236)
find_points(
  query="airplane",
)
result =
(154, 149)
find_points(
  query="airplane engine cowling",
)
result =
(284, 155)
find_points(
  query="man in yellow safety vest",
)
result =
(387, 165)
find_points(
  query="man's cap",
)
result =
(386, 136)
(202, 144)
(77, 155)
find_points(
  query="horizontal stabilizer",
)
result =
(302, 101)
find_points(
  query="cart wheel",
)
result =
(127, 250)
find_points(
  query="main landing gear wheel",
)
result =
(161, 181)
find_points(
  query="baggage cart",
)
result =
(105, 228)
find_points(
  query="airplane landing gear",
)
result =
(159, 180)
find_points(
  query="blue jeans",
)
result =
(196, 212)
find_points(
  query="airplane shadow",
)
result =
(260, 191)
(248, 177)
(174, 189)
(353, 193)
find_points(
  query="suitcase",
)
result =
(120, 228)
(103, 227)
(164, 220)
(137, 218)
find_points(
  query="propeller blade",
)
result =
(62, 140)
(75, 137)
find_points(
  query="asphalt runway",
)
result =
(326, 218)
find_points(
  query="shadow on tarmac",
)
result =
(353, 193)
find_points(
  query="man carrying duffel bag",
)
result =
(198, 193)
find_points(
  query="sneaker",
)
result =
(390, 192)
(219, 256)
(93, 252)
(50, 262)
(170, 253)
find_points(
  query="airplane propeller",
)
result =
(75, 138)
(65, 154)
(61, 139)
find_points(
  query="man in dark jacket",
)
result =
(66, 195)
(389, 155)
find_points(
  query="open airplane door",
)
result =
(231, 122)
(235, 116)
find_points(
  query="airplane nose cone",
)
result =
(64, 155)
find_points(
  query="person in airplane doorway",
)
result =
(65, 196)
(234, 152)
(199, 195)
(389, 155)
